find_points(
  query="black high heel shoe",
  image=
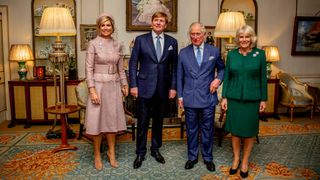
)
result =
(234, 171)
(244, 174)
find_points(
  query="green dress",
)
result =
(244, 86)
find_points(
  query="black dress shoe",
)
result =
(244, 174)
(210, 165)
(138, 162)
(234, 171)
(158, 157)
(190, 164)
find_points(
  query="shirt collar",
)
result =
(154, 35)
(201, 46)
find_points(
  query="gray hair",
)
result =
(245, 29)
(203, 29)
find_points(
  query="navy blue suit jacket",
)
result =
(151, 72)
(194, 81)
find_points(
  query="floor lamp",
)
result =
(57, 21)
(226, 27)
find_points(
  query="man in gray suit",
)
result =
(197, 84)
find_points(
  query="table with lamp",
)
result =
(57, 21)
(272, 55)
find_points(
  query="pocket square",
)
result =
(170, 48)
(211, 58)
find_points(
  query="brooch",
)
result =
(255, 54)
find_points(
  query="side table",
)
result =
(314, 90)
(63, 110)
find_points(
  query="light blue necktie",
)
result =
(158, 48)
(198, 56)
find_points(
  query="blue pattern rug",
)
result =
(276, 157)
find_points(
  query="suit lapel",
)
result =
(152, 48)
(165, 48)
(193, 59)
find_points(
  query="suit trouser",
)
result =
(200, 120)
(149, 107)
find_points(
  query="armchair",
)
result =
(294, 94)
(82, 95)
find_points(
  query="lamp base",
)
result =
(22, 71)
(269, 70)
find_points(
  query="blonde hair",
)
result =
(245, 29)
(101, 20)
(160, 14)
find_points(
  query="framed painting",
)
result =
(209, 36)
(87, 32)
(139, 13)
(306, 36)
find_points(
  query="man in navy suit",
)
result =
(152, 72)
(200, 72)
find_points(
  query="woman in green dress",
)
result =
(244, 95)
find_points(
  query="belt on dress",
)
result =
(106, 68)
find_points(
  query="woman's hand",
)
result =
(125, 90)
(263, 106)
(94, 96)
(224, 104)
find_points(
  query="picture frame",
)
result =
(306, 34)
(209, 37)
(39, 72)
(139, 13)
(87, 33)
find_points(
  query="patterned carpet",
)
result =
(28, 156)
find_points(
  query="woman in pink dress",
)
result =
(107, 85)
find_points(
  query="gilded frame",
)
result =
(87, 32)
(136, 21)
(306, 35)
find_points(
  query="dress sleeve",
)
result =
(263, 80)
(226, 77)
(90, 64)
(121, 71)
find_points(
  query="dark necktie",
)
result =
(158, 48)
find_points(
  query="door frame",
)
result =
(5, 42)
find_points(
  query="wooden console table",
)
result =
(272, 102)
(30, 98)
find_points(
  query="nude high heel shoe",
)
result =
(112, 160)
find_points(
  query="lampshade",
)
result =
(228, 23)
(272, 53)
(20, 52)
(56, 21)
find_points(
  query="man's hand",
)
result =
(134, 92)
(172, 93)
(180, 103)
(214, 85)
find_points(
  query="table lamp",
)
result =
(272, 55)
(57, 21)
(21, 53)
(226, 27)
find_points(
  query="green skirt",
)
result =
(243, 118)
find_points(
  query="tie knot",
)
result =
(158, 37)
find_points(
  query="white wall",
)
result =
(275, 25)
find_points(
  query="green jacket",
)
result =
(245, 77)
